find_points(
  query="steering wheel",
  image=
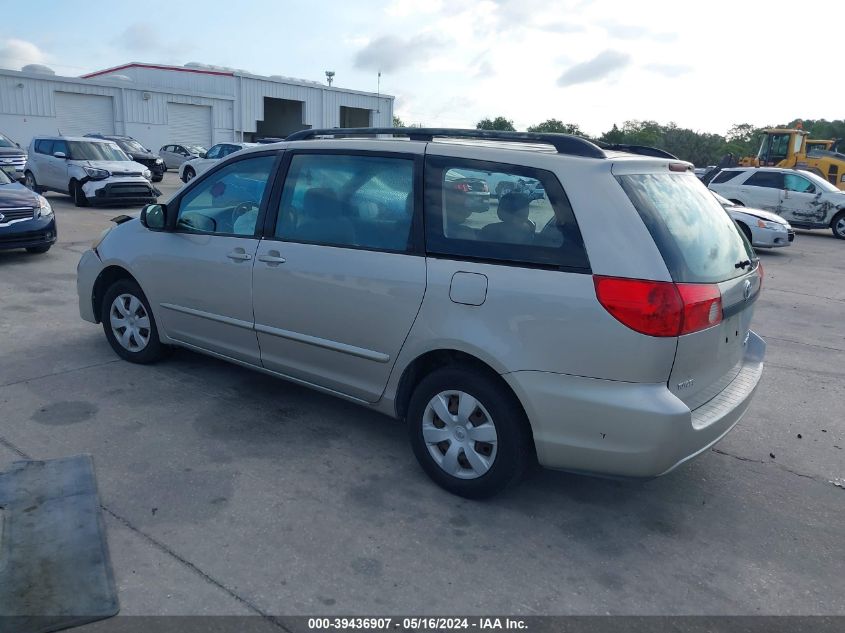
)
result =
(242, 209)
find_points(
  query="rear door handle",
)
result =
(273, 257)
(239, 255)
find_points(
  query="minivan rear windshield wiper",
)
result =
(743, 264)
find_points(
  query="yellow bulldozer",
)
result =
(792, 149)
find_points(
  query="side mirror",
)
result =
(203, 154)
(59, 155)
(154, 217)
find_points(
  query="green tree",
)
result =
(499, 123)
(557, 126)
(397, 122)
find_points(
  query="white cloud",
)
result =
(599, 67)
(669, 70)
(145, 38)
(390, 53)
(17, 53)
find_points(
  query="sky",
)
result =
(703, 65)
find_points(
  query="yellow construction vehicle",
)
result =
(792, 149)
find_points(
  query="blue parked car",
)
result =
(26, 218)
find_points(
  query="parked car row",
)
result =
(90, 170)
(801, 198)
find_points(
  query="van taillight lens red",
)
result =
(660, 308)
(702, 306)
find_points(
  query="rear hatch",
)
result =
(702, 248)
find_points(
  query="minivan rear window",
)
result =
(698, 240)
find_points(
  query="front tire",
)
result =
(188, 174)
(129, 325)
(468, 432)
(78, 195)
(30, 183)
(746, 231)
(837, 225)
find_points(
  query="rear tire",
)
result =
(188, 174)
(484, 446)
(129, 325)
(837, 225)
(737, 203)
(36, 250)
(79, 197)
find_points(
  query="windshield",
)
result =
(132, 146)
(86, 150)
(698, 240)
(5, 141)
(819, 182)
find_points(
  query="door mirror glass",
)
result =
(59, 155)
(154, 217)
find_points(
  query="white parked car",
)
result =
(804, 199)
(763, 229)
(175, 155)
(90, 170)
(192, 168)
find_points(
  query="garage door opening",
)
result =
(354, 117)
(80, 114)
(281, 117)
(189, 124)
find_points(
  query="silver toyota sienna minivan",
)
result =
(597, 322)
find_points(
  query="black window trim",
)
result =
(747, 182)
(474, 164)
(417, 239)
(173, 206)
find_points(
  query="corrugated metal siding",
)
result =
(35, 96)
(133, 113)
(154, 109)
(179, 81)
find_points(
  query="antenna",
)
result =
(378, 94)
(329, 76)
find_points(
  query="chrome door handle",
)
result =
(239, 256)
(271, 258)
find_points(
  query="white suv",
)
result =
(91, 171)
(804, 199)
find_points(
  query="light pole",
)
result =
(329, 76)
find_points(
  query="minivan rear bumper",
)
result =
(625, 429)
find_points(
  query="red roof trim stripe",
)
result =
(157, 67)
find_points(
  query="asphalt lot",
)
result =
(229, 492)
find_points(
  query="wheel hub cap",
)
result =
(460, 434)
(130, 323)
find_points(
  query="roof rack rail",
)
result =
(563, 143)
(643, 150)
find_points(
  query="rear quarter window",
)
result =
(725, 176)
(698, 240)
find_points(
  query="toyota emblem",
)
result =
(746, 289)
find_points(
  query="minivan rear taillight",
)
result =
(660, 308)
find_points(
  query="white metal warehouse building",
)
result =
(192, 104)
